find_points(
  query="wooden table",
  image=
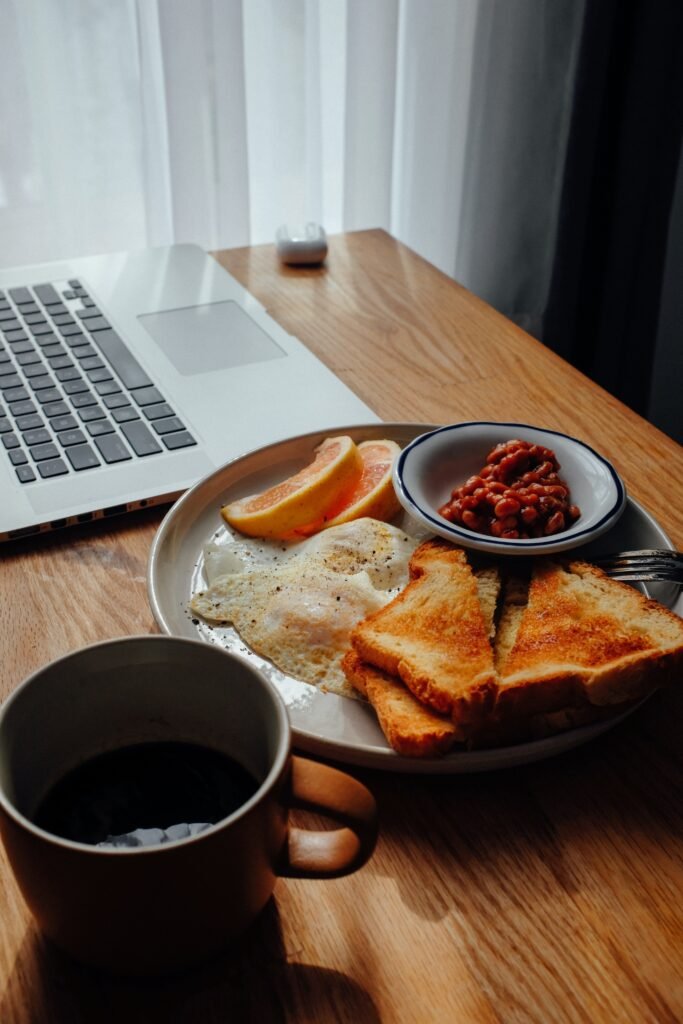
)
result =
(547, 893)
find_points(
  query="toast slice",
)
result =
(435, 635)
(579, 639)
(411, 728)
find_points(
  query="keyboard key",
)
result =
(123, 361)
(44, 451)
(48, 396)
(28, 358)
(7, 368)
(30, 422)
(74, 283)
(60, 362)
(10, 441)
(69, 294)
(140, 438)
(5, 425)
(98, 323)
(47, 293)
(18, 457)
(81, 401)
(56, 409)
(87, 301)
(55, 467)
(16, 395)
(94, 412)
(25, 474)
(69, 437)
(16, 335)
(41, 383)
(10, 380)
(63, 422)
(83, 352)
(108, 387)
(7, 314)
(37, 370)
(92, 363)
(76, 387)
(147, 396)
(21, 347)
(168, 426)
(50, 351)
(98, 375)
(125, 414)
(82, 457)
(25, 408)
(5, 357)
(100, 428)
(182, 440)
(20, 295)
(88, 314)
(34, 318)
(38, 436)
(64, 320)
(70, 373)
(112, 448)
(115, 401)
(39, 329)
(31, 307)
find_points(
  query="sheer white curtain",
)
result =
(127, 123)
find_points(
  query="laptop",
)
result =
(126, 378)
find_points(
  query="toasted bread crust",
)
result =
(411, 728)
(434, 636)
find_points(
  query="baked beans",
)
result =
(518, 494)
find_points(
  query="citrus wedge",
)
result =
(303, 498)
(373, 495)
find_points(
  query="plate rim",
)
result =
(360, 754)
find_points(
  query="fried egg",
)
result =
(297, 603)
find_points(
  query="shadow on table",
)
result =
(253, 983)
(467, 834)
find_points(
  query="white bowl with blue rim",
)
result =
(430, 467)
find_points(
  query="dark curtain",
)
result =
(620, 175)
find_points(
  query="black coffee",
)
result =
(146, 786)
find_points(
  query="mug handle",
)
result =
(331, 854)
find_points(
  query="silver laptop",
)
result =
(126, 378)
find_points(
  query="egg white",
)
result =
(297, 603)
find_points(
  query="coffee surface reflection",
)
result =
(145, 794)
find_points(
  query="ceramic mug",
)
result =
(160, 908)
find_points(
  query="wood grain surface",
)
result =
(548, 893)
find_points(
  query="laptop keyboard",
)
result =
(72, 395)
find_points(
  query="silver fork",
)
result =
(648, 565)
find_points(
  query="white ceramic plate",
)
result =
(323, 723)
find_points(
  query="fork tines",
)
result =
(648, 564)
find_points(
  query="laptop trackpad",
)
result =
(213, 336)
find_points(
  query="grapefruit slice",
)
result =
(372, 495)
(283, 509)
